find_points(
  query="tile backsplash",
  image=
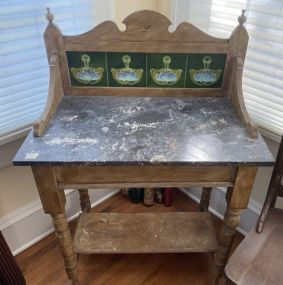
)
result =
(157, 70)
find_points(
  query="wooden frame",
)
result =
(236, 97)
(145, 31)
(54, 97)
(52, 180)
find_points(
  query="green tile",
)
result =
(205, 70)
(126, 69)
(166, 70)
(87, 68)
(161, 70)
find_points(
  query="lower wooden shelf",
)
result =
(145, 233)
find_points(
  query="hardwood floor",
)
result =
(42, 263)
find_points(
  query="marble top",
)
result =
(99, 130)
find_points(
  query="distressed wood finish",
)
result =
(146, 92)
(37, 262)
(84, 200)
(225, 241)
(232, 82)
(173, 47)
(54, 97)
(205, 198)
(236, 97)
(145, 233)
(238, 44)
(164, 184)
(66, 245)
(54, 44)
(145, 26)
(242, 187)
(245, 176)
(146, 31)
(53, 201)
(142, 174)
(237, 199)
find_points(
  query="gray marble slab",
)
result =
(144, 130)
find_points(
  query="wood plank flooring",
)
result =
(42, 263)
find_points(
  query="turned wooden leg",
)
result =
(84, 199)
(66, 246)
(226, 236)
(205, 198)
(53, 201)
(237, 199)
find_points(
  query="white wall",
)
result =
(17, 188)
(126, 7)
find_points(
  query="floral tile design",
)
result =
(205, 70)
(126, 69)
(166, 70)
(87, 68)
(157, 70)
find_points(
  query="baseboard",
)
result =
(217, 207)
(29, 224)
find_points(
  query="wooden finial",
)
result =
(242, 19)
(49, 16)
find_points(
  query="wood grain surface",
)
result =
(142, 174)
(42, 263)
(146, 31)
(145, 233)
(55, 94)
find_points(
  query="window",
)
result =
(24, 73)
(263, 70)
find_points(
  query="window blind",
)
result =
(24, 73)
(263, 70)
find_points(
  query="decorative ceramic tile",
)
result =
(87, 68)
(126, 69)
(205, 70)
(166, 70)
